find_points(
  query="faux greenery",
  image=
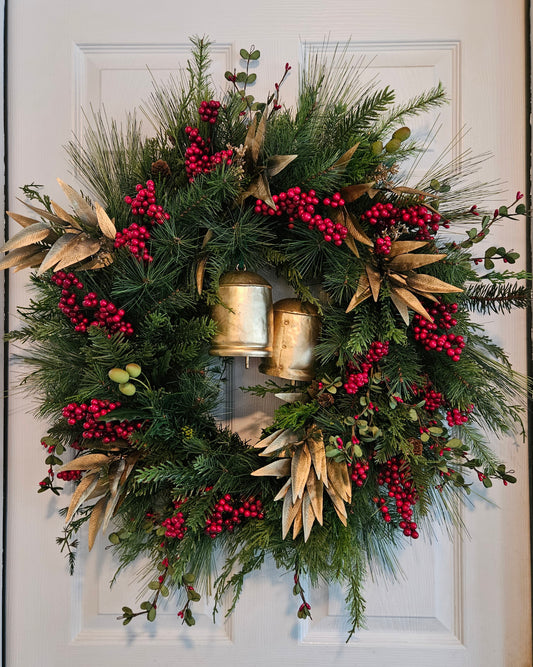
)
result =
(416, 414)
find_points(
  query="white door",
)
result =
(462, 604)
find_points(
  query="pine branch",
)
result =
(497, 297)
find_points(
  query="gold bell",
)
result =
(296, 331)
(244, 316)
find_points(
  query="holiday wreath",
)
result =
(386, 382)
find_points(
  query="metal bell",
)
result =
(296, 331)
(244, 318)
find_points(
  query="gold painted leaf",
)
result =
(297, 525)
(404, 263)
(300, 465)
(84, 488)
(248, 141)
(291, 397)
(283, 441)
(308, 516)
(425, 283)
(208, 236)
(374, 280)
(352, 192)
(131, 461)
(340, 479)
(43, 212)
(27, 236)
(398, 279)
(259, 138)
(402, 247)
(23, 220)
(102, 488)
(315, 442)
(200, 272)
(362, 293)
(289, 512)
(279, 468)
(269, 438)
(19, 255)
(110, 509)
(115, 476)
(284, 490)
(82, 209)
(401, 306)
(32, 261)
(355, 229)
(58, 251)
(103, 259)
(107, 226)
(315, 489)
(351, 244)
(86, 462)
(278, 163)
(84, 247)
(66, 217)
(338, 504)
(95, 520)
(411, 301)
(345, 158)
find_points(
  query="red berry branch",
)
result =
(105, 313)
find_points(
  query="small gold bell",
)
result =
(244, 318)
(296, 331)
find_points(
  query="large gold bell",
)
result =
(244, 318)
(296, 331)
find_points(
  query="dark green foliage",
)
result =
(184, 461)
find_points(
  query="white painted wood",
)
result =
(464, 604)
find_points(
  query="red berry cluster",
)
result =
(422, 220)
(455, 417)
(377, 351)
(93, 429)
(106, 314)
(144, 204)
(358, 472)
(434, 399)
(197, 158)
(383, 245)
(443, 319)
(381, 216)
(69, 475)
(395, 474)
(300, 205)
(357, 375)
(134, 238)
(175, 525)
(354, 381)
(229, 513)
(209, 111)
(419, 218)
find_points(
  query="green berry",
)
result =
(118, 375)
(402, 134)
(127, 388)
(377, 148)
(392, 145)
(134, 370)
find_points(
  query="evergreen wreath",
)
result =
(389, 432)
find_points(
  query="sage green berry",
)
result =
(377, 147)
(392, 145)
(402, 134)
(134, 370)
(127, 388)
(118, 375)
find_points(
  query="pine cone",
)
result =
(313, 389)
(325, 400)
(418, 447)
(160, 168)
